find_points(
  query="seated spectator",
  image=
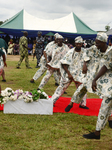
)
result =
(67, 43)
(10, 47)
(110, 44)
(16, 48)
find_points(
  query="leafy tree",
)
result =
(1, 22)
(107, 28)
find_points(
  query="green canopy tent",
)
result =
(69, 26)
(50, 34)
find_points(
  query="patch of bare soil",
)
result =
(15, 57)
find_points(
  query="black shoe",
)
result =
(18, 67)
(3, 80)
(67, 109)
(29, 67)
(65, 92)
(84, 107)
(110, 123)
(32, 81)
(37, 67)
(91, 135)
(56, 84)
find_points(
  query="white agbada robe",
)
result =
(75, 61)
(50, 46)
(57, 54)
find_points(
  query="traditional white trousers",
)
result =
(105, 109)
(41, 71)
(61, 89)
(47, 77)
(104, 113)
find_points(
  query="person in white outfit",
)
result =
(71, 66)
(102, 86)
(54, 65)
(46, 59)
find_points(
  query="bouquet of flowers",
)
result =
(34, 95)
(6, 95)
(39, 94)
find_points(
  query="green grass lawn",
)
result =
(42, 132)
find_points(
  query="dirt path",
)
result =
(15, 57)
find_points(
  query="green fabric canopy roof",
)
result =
(50, 34)
(69, 25)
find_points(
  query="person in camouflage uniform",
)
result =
(39, 47)
(23, 47)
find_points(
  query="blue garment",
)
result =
(31, 47)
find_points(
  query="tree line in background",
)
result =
(1, 22)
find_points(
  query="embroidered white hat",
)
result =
(56, 35)
(102, 37)
(59, 36)
(78, 39)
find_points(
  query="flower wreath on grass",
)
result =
(34, 95)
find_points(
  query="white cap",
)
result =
(78, 39)
(59, 36)
(102, 37)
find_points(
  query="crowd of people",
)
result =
(88, 66)
(90, 70)
(36, 45)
